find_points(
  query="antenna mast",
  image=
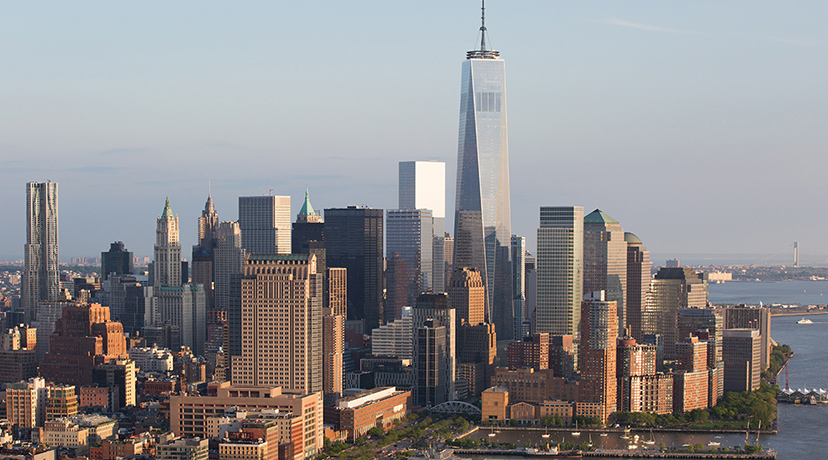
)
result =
(482, 25)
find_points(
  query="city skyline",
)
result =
(720, 103)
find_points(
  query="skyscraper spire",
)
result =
(482, 53)
(482, 25)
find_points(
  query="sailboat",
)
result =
(650, 441)
(626, 434)
(576, 432)
(747, 431)
(590, 440)
(546, 435)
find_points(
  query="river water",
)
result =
(803, 430)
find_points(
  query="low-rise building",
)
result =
(183, 449)
(189, 413)
(494, 404)
(535, 386)
(377, 407)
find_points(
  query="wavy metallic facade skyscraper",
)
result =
(482, 225)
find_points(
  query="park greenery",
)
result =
(778, 357)
(421, 429)
(736, 410)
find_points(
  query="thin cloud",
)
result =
(639, 26)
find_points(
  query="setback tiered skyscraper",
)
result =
(167, 263)
(281, 323)
(482, 210)
(559, 266)
(41, 276)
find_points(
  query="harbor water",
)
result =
(802, 429)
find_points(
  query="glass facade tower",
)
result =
(482, 212)
(559, 266)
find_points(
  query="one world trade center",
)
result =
(482, 216)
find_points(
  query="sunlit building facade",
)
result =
(482, 209)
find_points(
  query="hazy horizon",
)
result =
(699, 127)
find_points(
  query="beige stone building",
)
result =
(281, 323)
(26, 403)
(189, 414)
(494, 400)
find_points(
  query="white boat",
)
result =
(604, 434)
(576, 432)
(805, 321)
(650, 441)
(714, 444)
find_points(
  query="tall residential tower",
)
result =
(41, 277)
(482, 212)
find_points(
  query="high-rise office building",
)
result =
(752, 317)
(281, 323)
(422, 185)
(672, 289)
(41, 276)
(707, 322)
(431, 364)
(228, 260)
(605, 260)
(84, 335)
(467, 296)
(559, 267)
(208, 225)
(203, 260)
(117, 260)
(482, 223)
(180, 305)
(599, 336)
(435, 307)
(265, 224)
(638, 283)
(742, 353)
(354, 240)
(333, 342)
(409, 245)
(167, 263)
(131, 303)
(309, 227)
(519, 283)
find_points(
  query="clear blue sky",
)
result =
(700, 126)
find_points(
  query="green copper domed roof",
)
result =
(599, 217)
(631, 238)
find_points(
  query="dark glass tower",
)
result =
(117, 260)
(482, 212)
(354, 240)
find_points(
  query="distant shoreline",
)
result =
(801, 313)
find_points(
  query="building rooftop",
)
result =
(600, 217)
